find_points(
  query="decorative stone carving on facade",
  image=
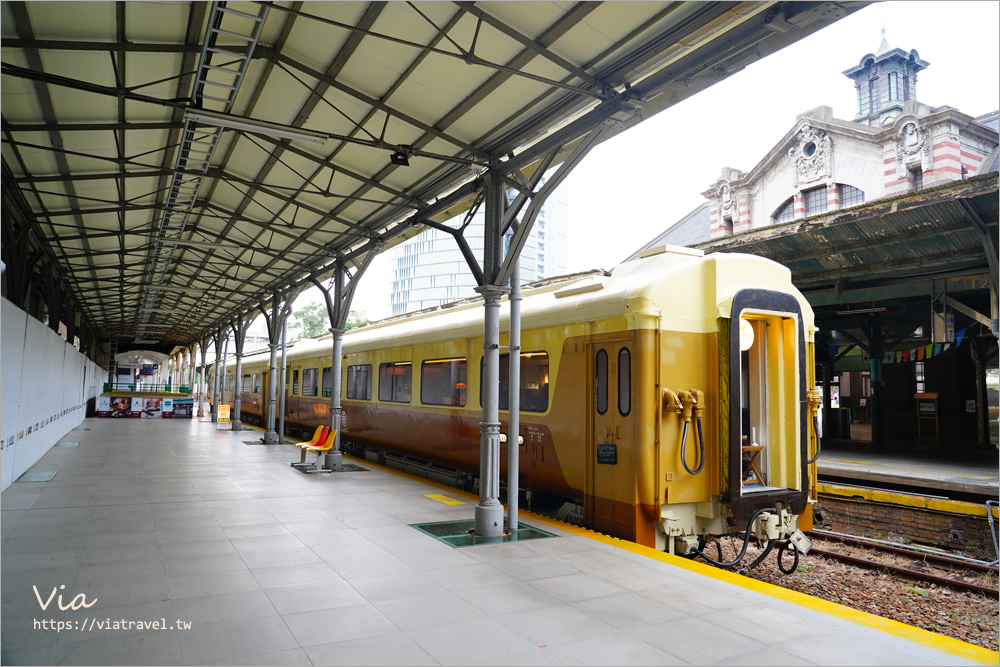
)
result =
(811, 156)
(728, 207)
(912, 147)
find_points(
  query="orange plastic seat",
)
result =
(320, 436)
(317, 437)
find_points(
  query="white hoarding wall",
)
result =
(45, 388)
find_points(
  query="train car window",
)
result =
(295, 382)
(601, 365)
(246, 384)
(359, 382)
(444, 382)
(327, 381)
(534, 382)
(231, 382)
(256, 383)
(309, 381)
(395, 381)
(624, 382)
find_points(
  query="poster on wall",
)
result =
(121, 406)
(136, 408)
(152, 407)
(103, 406)
(168, 408)
(183, 408)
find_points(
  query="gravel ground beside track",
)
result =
(969, 617)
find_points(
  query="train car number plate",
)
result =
(607, 454)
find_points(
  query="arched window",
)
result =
(786, 213)
(850, 195)
(815, 200)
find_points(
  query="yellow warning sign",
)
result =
(441, 498)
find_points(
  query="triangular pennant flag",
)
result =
(937, 349)
(958, 337)
(947, 346)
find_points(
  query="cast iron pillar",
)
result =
(489, 511)
(218, 369)
(202, 383)
(240, 334)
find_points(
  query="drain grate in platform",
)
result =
(261, 442)
(350, 467)
(461, 533)
(37, 476)
(67, 444)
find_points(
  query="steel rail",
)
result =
(931, 558)
(905, 573)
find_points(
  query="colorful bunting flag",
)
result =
(928, 351)
(899, 357)
(920, 353)
(937, 349)
(958, 337)
(906, 355)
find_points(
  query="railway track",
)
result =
(934, 560)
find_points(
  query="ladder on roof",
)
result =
(230, 47)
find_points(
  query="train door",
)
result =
(610, 450)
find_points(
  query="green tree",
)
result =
(310, 321)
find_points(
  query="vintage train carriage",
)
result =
(620, 372)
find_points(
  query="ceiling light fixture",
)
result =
(399, 157)
(256, 126)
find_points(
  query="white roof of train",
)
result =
(689, 290)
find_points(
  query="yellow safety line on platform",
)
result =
(441, 498)
(907, 500)
(882, 465)
(927, 638)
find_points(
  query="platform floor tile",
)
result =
(249, 562)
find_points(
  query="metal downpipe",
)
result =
(271, 436)
(283, 383)
(238, 389)
(514, 400)
(334, 458)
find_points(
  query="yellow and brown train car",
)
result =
(620, 373)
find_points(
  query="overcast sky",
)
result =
(650, 176)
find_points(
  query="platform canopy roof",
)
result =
(178, 163)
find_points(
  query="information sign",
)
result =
(607, 454)
(223, 417)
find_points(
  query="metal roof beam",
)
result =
(371, 101)
(90, 127)
(123, 47)
(539, 49)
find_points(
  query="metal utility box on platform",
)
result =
(927, 411)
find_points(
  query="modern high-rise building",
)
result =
(429, 270)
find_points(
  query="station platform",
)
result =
(246, 561)
(933, 471)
